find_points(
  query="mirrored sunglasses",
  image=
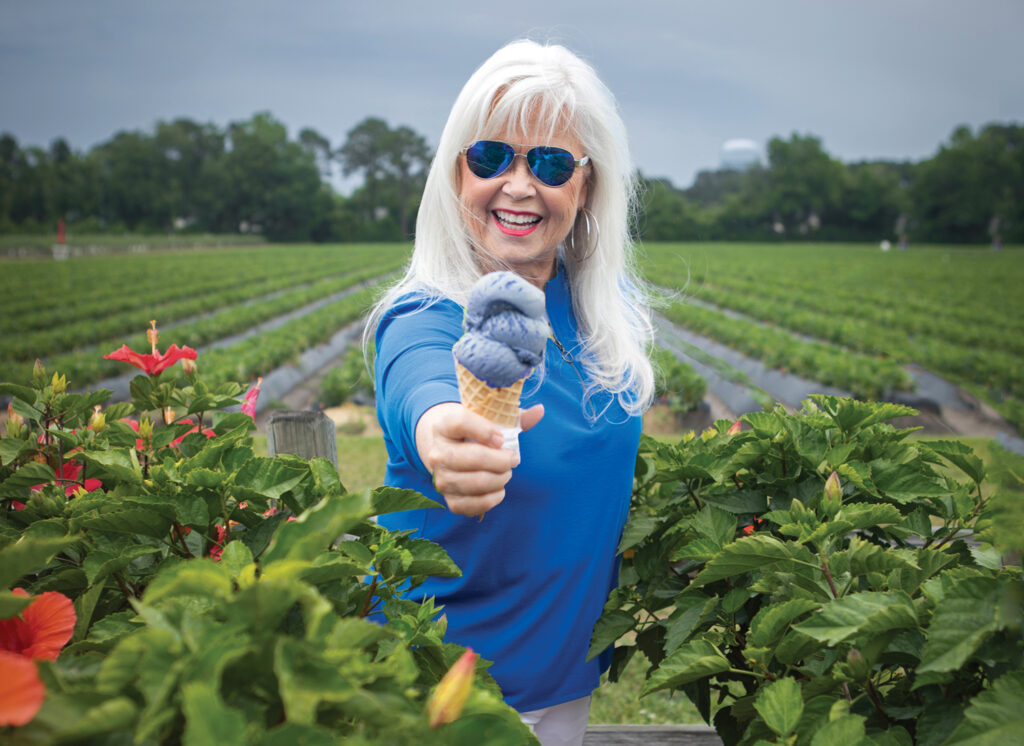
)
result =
(552, 166)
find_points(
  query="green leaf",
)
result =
(393, 500)
(959, 454)
(268, 477)
(772, 621)
(964, 619)
(317, 528)
(995, 717)
(695, 660)
(429, 558)
(208, 721)
(714, 524)
(781, 704)
(12, 605)
(145, 521)
(99, 564)
(24, 393)
(690, 609)
(847, 730)
(235, 558)
(198, 577)
(610, 627)
(638, 527)
(29, 554)
(867, 613)
(12, 448)
(325, 474)
(117, 463)
(29, 475)
(750, 553)
(866, 515)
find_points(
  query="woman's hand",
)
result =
(463, 452)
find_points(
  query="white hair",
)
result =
(527, 82)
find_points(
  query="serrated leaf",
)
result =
(868, 613)
(13, 448)
(610, 627)
(393, 500)
(205, 477)
(772, 621)
(750, 553)
(964, 619)
(695, 660)
(780, 704)
(198, 577)
(29, 475)
(865, 515)
(995, 717)
(638, 527)
(429, 558)
(145, 521)
(29, 554)
(959, 454)
(325, 474)
(690, 608)
(99, 564)
(208, 721)
(117, 463)
(24, 393)
(268, 477)
(847, 730)
(317, 528)
(235, 558)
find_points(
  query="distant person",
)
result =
(532, 174)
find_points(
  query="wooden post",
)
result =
(309, 434)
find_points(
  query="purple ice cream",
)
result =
(506, 329)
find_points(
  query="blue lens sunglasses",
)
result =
(552, 166)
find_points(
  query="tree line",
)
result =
(251, 177)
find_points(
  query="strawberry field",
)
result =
(805, 575)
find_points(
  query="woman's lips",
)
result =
(513, 223)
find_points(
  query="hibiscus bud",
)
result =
(98, 421)
(447, 701)
(833, 497)
(59, 384)
(735, 427)
(38, 372)
(168, 415)
(13, 417)
(145, 428)
(858, 666)
(152, 334)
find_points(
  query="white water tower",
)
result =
(740, 154)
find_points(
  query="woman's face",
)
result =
(515, 217)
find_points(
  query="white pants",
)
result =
(560, 725)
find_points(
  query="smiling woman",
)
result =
(532, 175)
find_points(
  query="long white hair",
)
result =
(521, 83)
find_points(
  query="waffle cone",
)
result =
(499, 405)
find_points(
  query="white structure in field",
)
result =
(740, 154)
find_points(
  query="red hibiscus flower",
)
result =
(68, 476)
(206, 431)
(218, 547)
(249, 405)
(155, 362)
(21, 690)
(44, 627)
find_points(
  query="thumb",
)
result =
(530, 417)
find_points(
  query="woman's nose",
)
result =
(518, 179)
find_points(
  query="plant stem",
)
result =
(369, 597)
(876, 700)
(828, 577)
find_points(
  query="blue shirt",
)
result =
(537, 570)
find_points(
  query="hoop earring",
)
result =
(593, 236)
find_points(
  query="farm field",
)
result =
(847, 316)
(853, 316)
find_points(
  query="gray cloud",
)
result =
(873, 79)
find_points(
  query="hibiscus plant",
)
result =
(820, 578)
(211, 595)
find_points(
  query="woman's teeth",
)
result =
(515, 220)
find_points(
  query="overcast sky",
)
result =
(872, 78)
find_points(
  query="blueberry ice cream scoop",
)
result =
(506, 329)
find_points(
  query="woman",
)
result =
(537, 570)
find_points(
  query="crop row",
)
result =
(169, 286)
(68, 337)
(85, 366)
(266, 351)
(863, 375)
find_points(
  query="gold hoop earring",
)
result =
(591, 241)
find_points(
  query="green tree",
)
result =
(804, 182)
(365, 151)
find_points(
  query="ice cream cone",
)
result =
(499, 405)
